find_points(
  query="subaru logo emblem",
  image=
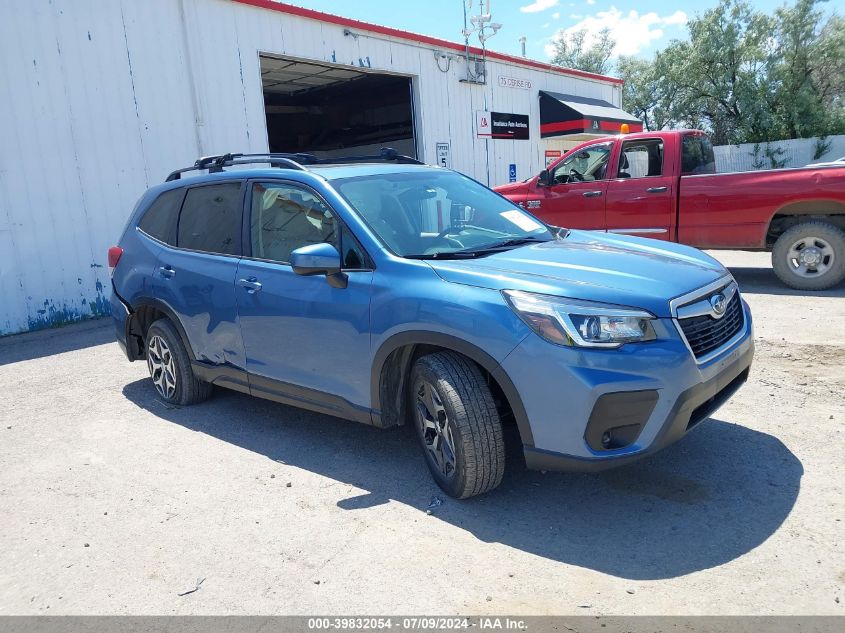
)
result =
(718, 303)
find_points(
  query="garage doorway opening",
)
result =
(333, 110)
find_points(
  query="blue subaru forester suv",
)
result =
(388, 292)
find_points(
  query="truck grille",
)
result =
(704, 333)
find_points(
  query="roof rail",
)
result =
(215, 164)
(386, 154)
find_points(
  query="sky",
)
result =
(639, 28)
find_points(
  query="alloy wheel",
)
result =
(162, 368)
(435, 428)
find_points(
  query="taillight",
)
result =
(114, 256)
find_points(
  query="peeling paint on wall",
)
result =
(52, 315)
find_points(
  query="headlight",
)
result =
(580, 323)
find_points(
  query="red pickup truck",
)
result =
(664, 185)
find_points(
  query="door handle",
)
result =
(657, 189)
(592, 194)
(252, 285)
(167, 272)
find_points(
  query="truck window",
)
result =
(697, 155)
(589, 163)
(641, 159)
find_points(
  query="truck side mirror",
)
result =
(543, 178)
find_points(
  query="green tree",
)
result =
(644, 92)
(572, 51)
(805, 72)
(748, 77)
(741, 75)
(716, 78)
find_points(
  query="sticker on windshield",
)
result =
(521, 220)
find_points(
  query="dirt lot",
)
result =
(111, 502)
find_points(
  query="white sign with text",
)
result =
(513, 82)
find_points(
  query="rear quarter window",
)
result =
(211, 219)
(159, 221)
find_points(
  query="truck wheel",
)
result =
(810, 256)
(170, 366)
(457, 424)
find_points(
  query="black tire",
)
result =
(782, 260)
(472, 422)
(187, 388)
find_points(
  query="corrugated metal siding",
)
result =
(795, 153)
(103, 99)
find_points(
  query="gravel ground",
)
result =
(113, 503)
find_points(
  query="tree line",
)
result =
(742, 75)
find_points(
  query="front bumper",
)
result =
(657, 389)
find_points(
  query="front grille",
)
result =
(704, 333)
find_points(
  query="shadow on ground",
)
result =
(715, 495)
(30, 345)
(764, 281)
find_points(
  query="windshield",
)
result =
(432, 214)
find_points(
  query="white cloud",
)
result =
(538, 5)
(555, 15)
(591, 1)
(678, 17)
(632, 31)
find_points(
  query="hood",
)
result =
(513, 187)
(623, 270)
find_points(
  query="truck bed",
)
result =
(734, 210)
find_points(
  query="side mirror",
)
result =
(319, 259)
(543, 178)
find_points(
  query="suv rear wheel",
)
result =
(170, 366)
(457, 424)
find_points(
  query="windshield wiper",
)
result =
(485, 249)
(445, 255)
(504, 245)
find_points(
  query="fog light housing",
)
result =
(618, 418)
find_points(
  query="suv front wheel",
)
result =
(457, 424)
(170, 366)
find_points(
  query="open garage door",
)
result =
(331, 110)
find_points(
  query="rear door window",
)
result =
(641, 159)
(159, 221)
(211, 219)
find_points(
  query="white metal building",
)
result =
(102, 98)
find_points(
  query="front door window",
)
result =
(587, 164)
